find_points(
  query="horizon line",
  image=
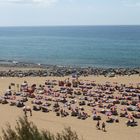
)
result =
(69, 25)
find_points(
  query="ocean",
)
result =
(95, 46)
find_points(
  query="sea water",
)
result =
(97, 46)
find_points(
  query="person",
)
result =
(98, 125)
(103, 126)
(30, 112)
(26, 109)
(25, 112)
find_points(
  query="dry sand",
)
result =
(84, 128)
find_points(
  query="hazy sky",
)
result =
(69, 12)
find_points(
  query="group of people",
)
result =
(103, 126)
(78, 98)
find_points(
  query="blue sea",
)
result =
(96, 46)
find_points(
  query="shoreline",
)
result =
(11, 68)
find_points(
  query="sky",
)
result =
(69, 12)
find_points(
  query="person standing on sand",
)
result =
(26, 109)
(98, 125)
(25, 112)
(103, 126)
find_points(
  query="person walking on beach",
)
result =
(98, 125)
(103, 126)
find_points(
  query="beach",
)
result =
(69, 68)
(85, 128)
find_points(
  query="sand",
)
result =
(84, 128)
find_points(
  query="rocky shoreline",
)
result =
(50, 70)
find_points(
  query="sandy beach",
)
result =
(84, 128)
(71, 67)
